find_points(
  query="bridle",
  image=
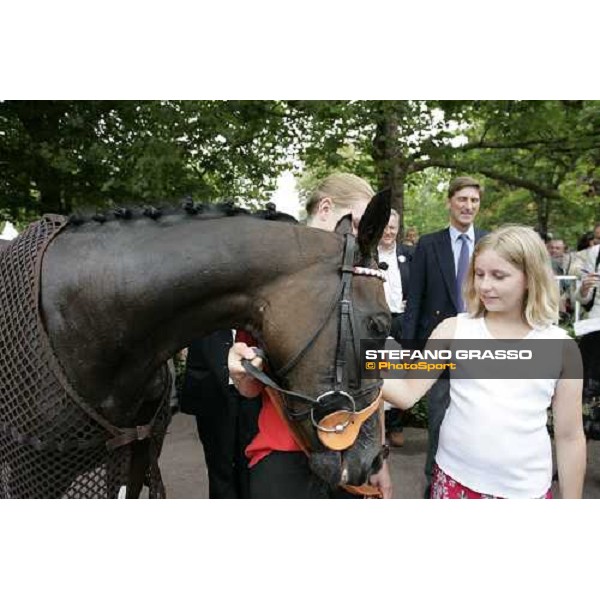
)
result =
(335, 414)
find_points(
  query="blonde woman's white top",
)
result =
(493, 438)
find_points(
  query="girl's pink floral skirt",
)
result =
(443, 487)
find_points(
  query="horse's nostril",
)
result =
(376, 464)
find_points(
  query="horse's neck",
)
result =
(200, 279)
(147, 289)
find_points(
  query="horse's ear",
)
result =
(344, 225)
(373, 222)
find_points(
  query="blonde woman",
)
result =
(493, 440)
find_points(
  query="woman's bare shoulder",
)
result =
(445, 330)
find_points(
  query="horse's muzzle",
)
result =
(354, 465)
(337, 470)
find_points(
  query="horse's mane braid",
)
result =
(153, 213)
(122, 213)
(188, 207)
(99, 218)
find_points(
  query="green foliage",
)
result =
(425, 206)
(540, 160)
(57, 156)
(417, 416)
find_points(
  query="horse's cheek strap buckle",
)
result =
(337, 431)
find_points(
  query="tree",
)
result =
(57, 156)
(538, 147)
(542, 148)
(387, 142)
(539, 160)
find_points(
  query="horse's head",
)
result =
(333, 412)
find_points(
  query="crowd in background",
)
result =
(567, 264)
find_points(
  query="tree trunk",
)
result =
(49, 186)
(543, 214)
(389, 163)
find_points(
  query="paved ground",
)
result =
(184, 471)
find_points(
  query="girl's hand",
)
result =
(243, 381)
(382, 480)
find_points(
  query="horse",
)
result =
(113, 297)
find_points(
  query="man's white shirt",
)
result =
(393, 284)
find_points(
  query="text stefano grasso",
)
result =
(498, 354)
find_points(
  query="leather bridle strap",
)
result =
(346, 314)
(268, 382)
(312, 402)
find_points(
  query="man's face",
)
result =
(463, 207)
(556, 248)
(390, 232)
(597, 236)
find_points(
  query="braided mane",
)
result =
(187, 207)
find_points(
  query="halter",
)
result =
(335, 414)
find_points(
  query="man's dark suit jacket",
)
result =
(431, 294)
(205, 390)
(225, 422)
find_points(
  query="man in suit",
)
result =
(438, 269)
(226, 424)
(397, 257)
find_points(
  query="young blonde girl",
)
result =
(493, 441)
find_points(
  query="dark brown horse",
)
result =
(119, 296)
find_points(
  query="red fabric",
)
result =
(443, 487)
(273, 431)
(244, 336)
(273, 434)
